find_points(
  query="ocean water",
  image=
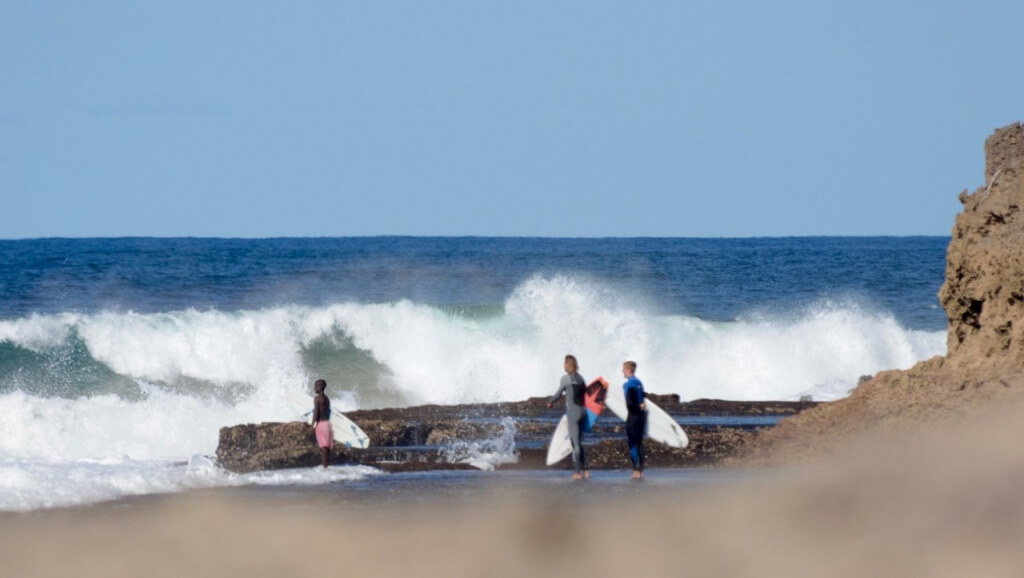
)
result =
(120, 358)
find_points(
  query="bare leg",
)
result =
(325, 457)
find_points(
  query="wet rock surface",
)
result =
(502, 435)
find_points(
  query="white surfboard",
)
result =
(345, 430)
(561, 443)
(660, 425)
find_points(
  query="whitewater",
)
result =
(101, 402)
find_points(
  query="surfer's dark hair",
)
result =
(320, 385)
(631, 365)
(575, 364)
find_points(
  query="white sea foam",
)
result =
(31, 484)
(820, 351)
(193, 372)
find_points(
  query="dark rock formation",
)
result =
(271, 446)
(428, 437)
(707, 447)
(267, 446)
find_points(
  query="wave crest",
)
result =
(169, 381)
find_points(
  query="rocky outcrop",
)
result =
(440, 437)
(983, 294)
(269, 446)
(273, 446)
(983, 297)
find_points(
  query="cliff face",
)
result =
(983, 294)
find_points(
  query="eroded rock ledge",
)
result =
(429, 437)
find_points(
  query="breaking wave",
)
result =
(159, 386)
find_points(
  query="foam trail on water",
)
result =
(30, 484)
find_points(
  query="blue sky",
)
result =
(703, 119)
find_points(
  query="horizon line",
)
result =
(523, 237)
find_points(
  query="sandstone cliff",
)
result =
(983, 296)
(984, 290)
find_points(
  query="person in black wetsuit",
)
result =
(573, 387)
(636, 418)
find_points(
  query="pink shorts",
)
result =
(324, 434)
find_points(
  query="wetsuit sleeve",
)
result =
(562, 386)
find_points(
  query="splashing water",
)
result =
(485, 454)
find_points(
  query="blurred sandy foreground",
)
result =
(945, 502)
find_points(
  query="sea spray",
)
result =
(405, 353)
(194, 371)
(485, 454)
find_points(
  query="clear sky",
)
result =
(681, 118)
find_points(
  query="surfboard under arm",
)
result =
(345, 430)
(661, 427)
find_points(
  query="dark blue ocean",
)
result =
(712, 279)
(146, 347)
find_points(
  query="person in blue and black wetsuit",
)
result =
(636, 419)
